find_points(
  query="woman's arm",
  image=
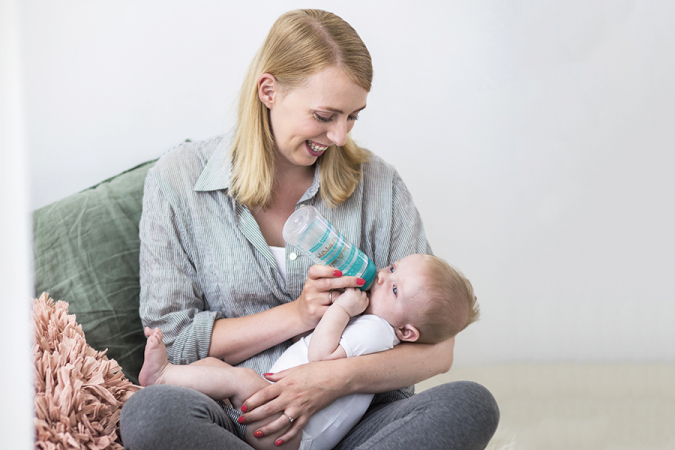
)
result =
(404, 365)
(304, 390)
(233, 341)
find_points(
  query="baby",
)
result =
(419, 298)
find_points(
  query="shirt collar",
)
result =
(217, 172)
(314, 188)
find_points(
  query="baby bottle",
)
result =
(308, 230)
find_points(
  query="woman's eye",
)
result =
(353, 118)
(391, 268)
(321, 118)
(395, 290)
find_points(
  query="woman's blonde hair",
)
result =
(300, 43)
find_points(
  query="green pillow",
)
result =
(86, 253)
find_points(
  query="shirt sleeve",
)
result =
(171, 298)
(407, 232)
(367, 334)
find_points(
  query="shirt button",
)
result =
(293, 256)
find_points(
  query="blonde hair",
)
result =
(451, 303)
(299, 44)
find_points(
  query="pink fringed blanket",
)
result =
(79, 392)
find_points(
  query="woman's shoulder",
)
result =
(377, 172)
(188, 156)
(183, 164)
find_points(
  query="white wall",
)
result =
(16, 375)
(536, 138)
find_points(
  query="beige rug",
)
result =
(578, 406)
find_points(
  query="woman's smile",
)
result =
(314, 148)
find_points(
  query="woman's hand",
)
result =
(316, 298)
(298, 392)
(302, 391)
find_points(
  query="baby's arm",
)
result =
(325, 341)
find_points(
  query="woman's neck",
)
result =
(287, 172)
(290, 184)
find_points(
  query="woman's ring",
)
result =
(288, 417)
(330, 298)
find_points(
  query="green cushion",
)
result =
(86, 253)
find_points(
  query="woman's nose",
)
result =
(338, 134)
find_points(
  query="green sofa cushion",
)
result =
(86, 253)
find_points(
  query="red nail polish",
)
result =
(258, 434)
(360, 281)
(267, 374)
(278, 442)
(244, 408)
(241, 419)
(337, 273)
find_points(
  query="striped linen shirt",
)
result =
(203, 256)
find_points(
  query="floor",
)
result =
(578, 406)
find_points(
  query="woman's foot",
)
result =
(156, 362)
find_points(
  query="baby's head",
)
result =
(423, 298)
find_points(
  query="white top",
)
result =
(279, 254)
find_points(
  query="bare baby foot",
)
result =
(155, 362)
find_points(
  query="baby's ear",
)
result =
(407, 333)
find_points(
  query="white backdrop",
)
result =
(16, 372)
(536, 138)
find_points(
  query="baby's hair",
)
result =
(451, 303)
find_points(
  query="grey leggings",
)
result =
(459, 415)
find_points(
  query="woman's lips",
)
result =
(314, 148)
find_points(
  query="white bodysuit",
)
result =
(364, 334)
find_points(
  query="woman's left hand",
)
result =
(298, 392)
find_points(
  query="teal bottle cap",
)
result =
(369, 275)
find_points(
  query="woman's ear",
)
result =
(407, 333)
(267, 89)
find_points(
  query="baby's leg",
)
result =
(218, 382)
(212, 377)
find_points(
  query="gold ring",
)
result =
(288, 417)
(330, 295)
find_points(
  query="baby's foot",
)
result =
(155, 362)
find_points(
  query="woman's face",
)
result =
(312, 117)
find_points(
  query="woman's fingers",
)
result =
(347, 282)
(332, 278)
(327, 278)
(252, 406)
(274, 377)
(262, 412)
(316, 272)
(294, 430)
(282, 425)
(316, 293)
(297, 427)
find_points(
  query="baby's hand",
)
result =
(352, 300)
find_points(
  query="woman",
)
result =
(219, 281)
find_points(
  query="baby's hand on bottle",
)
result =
(352, 300)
